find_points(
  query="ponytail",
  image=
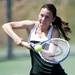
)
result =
(58, 23)
(63, 27)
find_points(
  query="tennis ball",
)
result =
(38, 48)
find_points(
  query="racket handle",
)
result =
(32, 45)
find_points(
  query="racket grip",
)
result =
(32, 45)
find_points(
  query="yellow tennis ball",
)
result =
(38, 48)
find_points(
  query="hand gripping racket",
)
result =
(54, 52)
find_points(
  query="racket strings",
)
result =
(60, 46)
(45, 46)
(61, 51)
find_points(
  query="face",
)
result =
(45, 18)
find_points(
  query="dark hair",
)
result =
(50, 7)
(62, 26)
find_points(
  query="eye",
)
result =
(47, 17)
(42, 15)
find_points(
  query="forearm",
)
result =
(9, 31)
(18, 40)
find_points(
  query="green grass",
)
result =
(21, 66)
(68, 65)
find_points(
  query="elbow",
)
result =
(4, 26)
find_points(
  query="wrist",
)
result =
(20, 44)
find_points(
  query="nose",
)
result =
(43, 18)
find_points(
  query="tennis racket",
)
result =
(54, 52)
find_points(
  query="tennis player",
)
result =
(48, 26)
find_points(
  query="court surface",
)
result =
(21, 66)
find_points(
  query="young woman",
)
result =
(49, 25)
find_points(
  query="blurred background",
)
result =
(15, 60)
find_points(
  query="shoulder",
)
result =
(55, 33)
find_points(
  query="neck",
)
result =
(42, 31)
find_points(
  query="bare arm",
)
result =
(55, 33)
(52, 46)
(8, 28)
